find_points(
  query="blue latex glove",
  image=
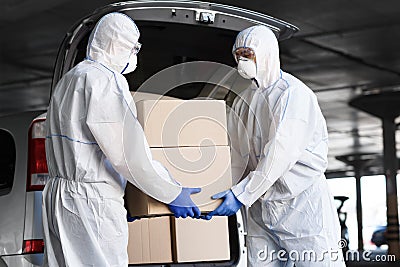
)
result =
(228, 207)
(183, 205)
(129, 218)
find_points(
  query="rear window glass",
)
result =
(7, 162)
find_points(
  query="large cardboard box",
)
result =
(139, 204)
(199, 240)
(150, 241)
(167, 239)
(140, 96)
(205, 167)
(175, 123)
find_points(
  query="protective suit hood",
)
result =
(112, 41)
(265, 45)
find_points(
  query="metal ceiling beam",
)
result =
(342, 32)
(350, 57)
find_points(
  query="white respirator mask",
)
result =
(131, 65)
(247, 68)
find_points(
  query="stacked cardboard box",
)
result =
(190, 139)
(167, 239)
(150, 241)
(199, 240)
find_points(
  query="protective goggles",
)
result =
(244, 52)
(136, 48)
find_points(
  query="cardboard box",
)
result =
(140, 96)
(205, 167)
(175, 123)
(199, 240)
(150, 241)
(139, 204)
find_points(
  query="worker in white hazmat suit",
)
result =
(279, 146)
(94, 145)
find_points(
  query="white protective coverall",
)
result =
(279, 149)
(94, 144)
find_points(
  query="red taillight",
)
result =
(37, 165)
(33, 246)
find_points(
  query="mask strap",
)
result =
(256, 82)
(127, 64)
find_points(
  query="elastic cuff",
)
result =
(240, 193)
(245, 199)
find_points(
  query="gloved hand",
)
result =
(183, 205)
(228, 207)
(131, 219)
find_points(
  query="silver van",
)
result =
(172, 33)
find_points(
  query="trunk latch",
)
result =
(205, 16)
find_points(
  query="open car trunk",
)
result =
(175, 32)
(201, 35)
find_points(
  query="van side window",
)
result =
(7, 162)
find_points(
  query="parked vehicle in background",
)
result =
(378, 236)
(209, 32)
